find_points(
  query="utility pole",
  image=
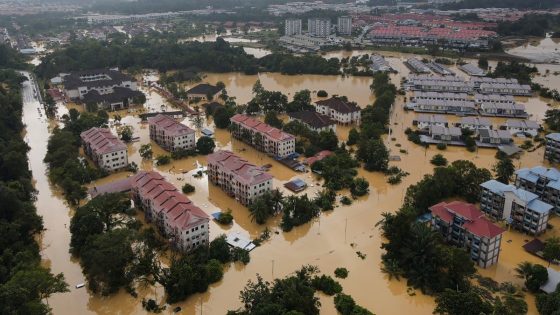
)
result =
(345, 229)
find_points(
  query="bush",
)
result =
(326, 284)
(225, 217)
(359, 187)
(341, 273)
(205, 145)
(346, 201)
(163, 159)
(441, 146)
(322, 93)
(439, 160)
(188, 188)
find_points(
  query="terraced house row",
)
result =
(175, 216)
(263, 137)
(237, 177)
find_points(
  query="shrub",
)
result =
(188, 188)
(326, 284)
(439, 160)
(441, 146)
(163, 159)
(341, 273)
(322, 93)
(346, 201)
(225, 217)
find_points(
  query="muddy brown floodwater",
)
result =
(328, 242)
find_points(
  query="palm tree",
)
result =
(392, 269)
(523, 270)
(258, 211)
(275, 198)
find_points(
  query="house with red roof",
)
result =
(237, 177)
(105, 149)
(170, 134)
(263, 137)
(175, 216)
(463, 224)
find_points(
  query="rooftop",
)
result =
(243, 171)
(339, 105)
(261, 127)
(475, 223)
(169, 124)
(102, 141)
(94, 78)
(313, 119)
(204, 89)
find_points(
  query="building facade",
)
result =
(175, 216)
(519, 208)
(339, 110)
(552, 148)
(237, 177)
(463, 225)
(106, 150)
(292, 27)
(344, 25)
(542, 181)
(319, 27)
(170, 134)
(263, 137)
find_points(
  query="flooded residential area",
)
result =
(450, 105)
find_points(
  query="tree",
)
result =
(551, 249)
(322, 93)
(374, 154)
(353, 137)
(219, 249)
(504, 170)
(535, 275)
(222, 117)
(205, 145)
(341, 273)
(146, 151)
(126, 133)
(548, 304)
(359, 187)
(271, 118)
(139, 99)
(163, 160)
(188, 188)
(50, 105)
(300, 102)
(328, 140)
(483, 63)
(451, 302)
(439, 160)
(326, 284)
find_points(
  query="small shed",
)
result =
(236, 239)
(553, 281)
(296, 185)
(207, 132)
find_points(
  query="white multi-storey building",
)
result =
(170, 134)
(106, 150)
(263, 137)
(237, 177)
(292, 27)
(175, 216)
(344, 25)
(339, 110)
(319, 27)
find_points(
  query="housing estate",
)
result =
(426, 121)
(417, 66)
(501, 86)
(106, 150)
(175, 216)
(263, 137)
(108, 89)
(237, 177)
(542, 181)
(170, 134)
(428, 83)
(443, 107)
(313, 120)
(439, 96)
(527, 127)
(503, 110)
(522, 209)
(463, 225)
(445, 133)
(495, 137)
(341, 111)
(552, 148)
(472, 70)
(475, 123)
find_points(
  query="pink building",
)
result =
(237, 177)
(176, 217)
(170, 134)
(106, 150)
(262, 136)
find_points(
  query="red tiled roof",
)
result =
(243, 171)
(475, 222)
(318, 157)
(102, 141)
(171, 127)
(260, 127)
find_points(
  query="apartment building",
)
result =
(170, 134)
(463, 225)
(106, 150)
(109, 89)
(519, 208)
(263, 137)
(542, 181)
(552, 148)
(175, 216)
(319, 27)
(237, 177)
(344, 25)
(292, 27)
(339, 110)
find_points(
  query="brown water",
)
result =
(329, 242)
(547, 50)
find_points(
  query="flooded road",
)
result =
(329, 242)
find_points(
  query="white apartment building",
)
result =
(339, 110)
(175, 216)
(170, 134)
(106, 150)
(263, 137)
(292, 27)
(319, 27)
(237, 177)
(344, 25)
